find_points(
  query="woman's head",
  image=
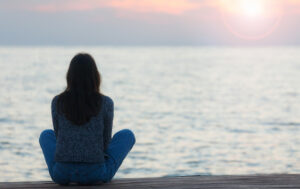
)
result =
(82, 98)
(83, 75)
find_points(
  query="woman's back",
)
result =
(83, 143)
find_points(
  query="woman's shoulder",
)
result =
(108, 103)
(107, 100)
(54, 100)
(54, 103)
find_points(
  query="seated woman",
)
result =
(80, 149)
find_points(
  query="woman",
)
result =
(80, 149)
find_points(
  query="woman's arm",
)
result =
(108, 122)
(54, 115)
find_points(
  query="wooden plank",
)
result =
(219, 182)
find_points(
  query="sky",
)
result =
(149, 22)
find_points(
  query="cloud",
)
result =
(269, 6)
(70, 5)
(160, 6)
(140, 6)
(173, 7)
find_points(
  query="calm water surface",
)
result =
(193, 110)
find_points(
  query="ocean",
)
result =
(194, 110)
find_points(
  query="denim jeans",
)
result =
(87, 173)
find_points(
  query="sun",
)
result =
(245, 8)
(250, 19)
(251, 8)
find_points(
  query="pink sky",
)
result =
(157, 6)
(243, 19)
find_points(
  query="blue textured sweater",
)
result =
(84, 143)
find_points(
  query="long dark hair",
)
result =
(81, 99)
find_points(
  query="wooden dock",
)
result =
(188, 182)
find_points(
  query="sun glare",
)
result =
(251, 8)
(250, 19)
